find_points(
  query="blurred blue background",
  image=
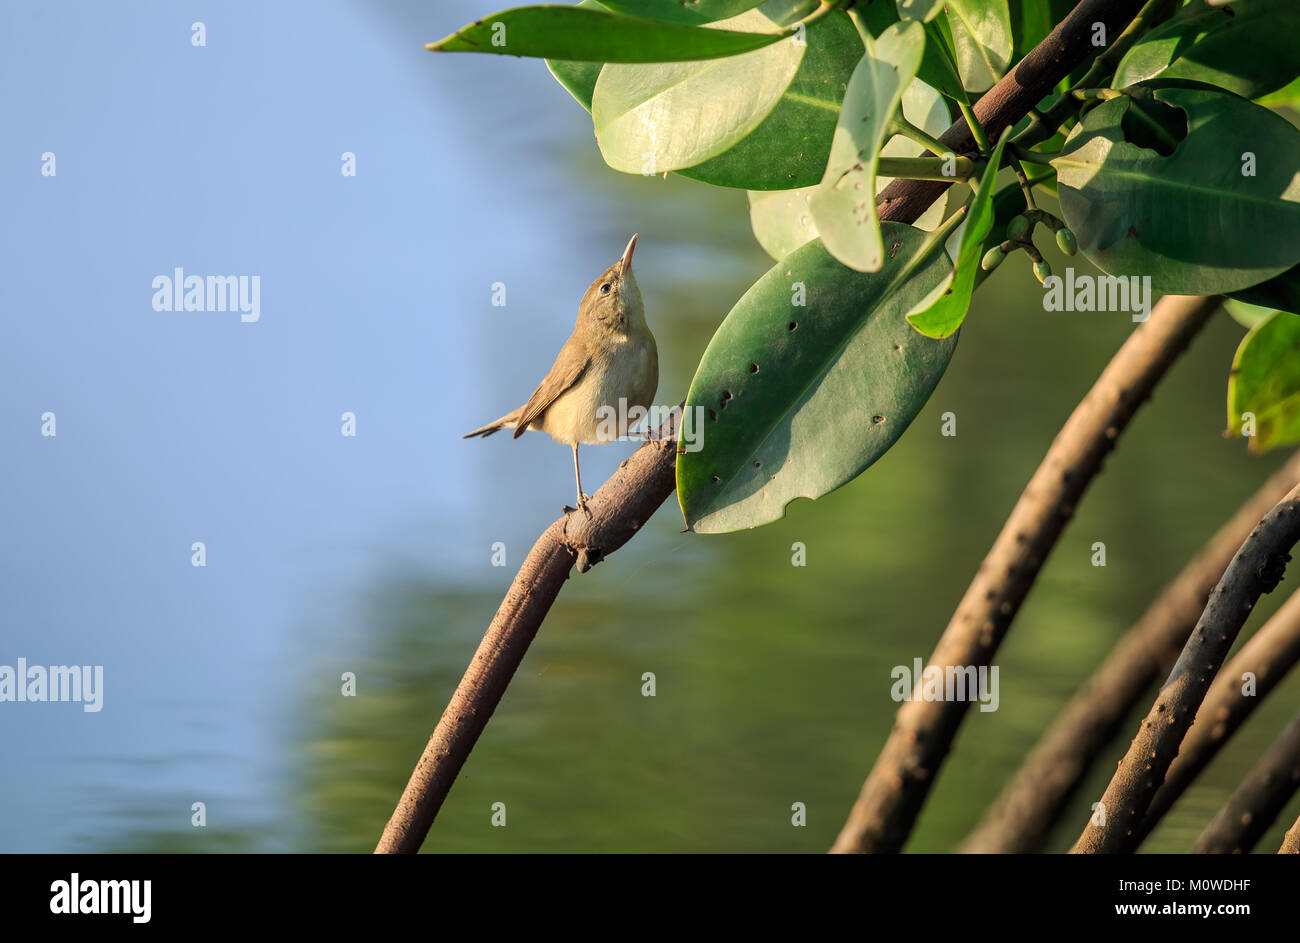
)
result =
(372, 554)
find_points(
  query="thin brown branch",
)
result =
(1256, 569)
(628, 499)
(619, 508)
(1035, 796)
(898, 784)
(1266, 657)
(1262, 795)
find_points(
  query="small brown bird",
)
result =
(610, 356)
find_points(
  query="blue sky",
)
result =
(175, 427)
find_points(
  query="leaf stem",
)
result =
(900, 125)
(976, 128)
(926, 168)
(1031, 157)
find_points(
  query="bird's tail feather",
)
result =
(505, 422)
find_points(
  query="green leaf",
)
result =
(1245, 314)
(1289, 95)
(666, 116)
(940, 314)
(674, 11)
(1191, 220)
(806, 397)
(844, 206)
(782, 219)
(578, 78)
(1265, 383)
(1032, 20)
(1247, 48)
(923, 10)
(594, 35)
(789, 149)
(981, 40)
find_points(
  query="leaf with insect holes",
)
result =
(940, 314)
(844, 206)
(797, 399)
(1265, 383)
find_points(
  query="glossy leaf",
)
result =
(789, 148)
(578, 78)
(589, 34)
(1246, 315)
(981, 40)
(1265, 384)
(923, 10)
(1191, 220)
(1247, 48)
(844, 206)
(694, 12)
(1288, 95)
(1032, 20)
(666, 116)
(941, 313)
(782, 219)
(798, 400)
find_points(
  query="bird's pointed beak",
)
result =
(626, 261)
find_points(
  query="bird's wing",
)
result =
(568, 367)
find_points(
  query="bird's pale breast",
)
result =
(630, 372)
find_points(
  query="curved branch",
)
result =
(618, 509)
(900, 780)
(1263, 794)
(1256, 569)
(628, 499)
(1035, 795)
(1267, 655)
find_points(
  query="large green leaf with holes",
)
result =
(797, 399)
(844, 206)
(1193, 220)
(1265, 383)
(1248, 48)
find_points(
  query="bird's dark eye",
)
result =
(604, 289)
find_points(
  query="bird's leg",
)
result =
(577, 473)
